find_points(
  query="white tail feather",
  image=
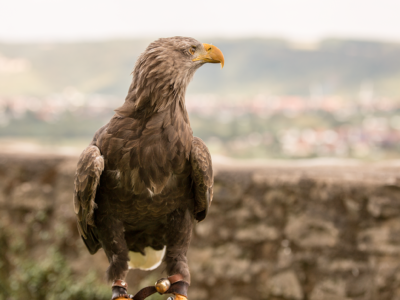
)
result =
(151, 260)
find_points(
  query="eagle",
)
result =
(144, 179)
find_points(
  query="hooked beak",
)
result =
(211, 54)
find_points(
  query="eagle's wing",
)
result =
(87, 177)
(202, 176)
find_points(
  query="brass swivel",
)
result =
(162, 285)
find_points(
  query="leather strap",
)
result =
(175, 278)
(144, 293)
(120, 283)
(178, 286)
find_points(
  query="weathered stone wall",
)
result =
(274, 230)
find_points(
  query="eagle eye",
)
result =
(192, 50)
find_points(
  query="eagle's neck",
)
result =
(145, 102)
(158, 82)
(159, 97)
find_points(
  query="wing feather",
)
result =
(87, 178)
(202, 176)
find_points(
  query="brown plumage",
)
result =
(144, 178)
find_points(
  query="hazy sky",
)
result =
(59, 20)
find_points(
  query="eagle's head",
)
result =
(183, 54)
(163, 71)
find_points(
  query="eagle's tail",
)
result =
(151, 260)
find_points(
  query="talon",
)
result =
(180, 297)
(119, 292)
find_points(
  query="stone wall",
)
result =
(274, 231)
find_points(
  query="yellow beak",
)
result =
(211, 55)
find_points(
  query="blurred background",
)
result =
(302, 79)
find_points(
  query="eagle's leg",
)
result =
(178, 240)
(112, 238)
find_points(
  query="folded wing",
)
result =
(87, 178)
(202, 176)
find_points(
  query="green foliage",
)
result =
(47, 279)
(52, 279)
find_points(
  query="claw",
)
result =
(119, 293)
